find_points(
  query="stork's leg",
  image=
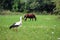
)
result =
(13, 29)
(16, 29)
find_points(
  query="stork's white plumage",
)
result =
(20, 22)
(17, 24)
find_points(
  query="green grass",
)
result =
(31, 30)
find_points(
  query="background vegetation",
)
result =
(30, 6)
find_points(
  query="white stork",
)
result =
(17, 24)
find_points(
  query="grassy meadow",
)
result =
(46, 27)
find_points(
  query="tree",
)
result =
(6, 4)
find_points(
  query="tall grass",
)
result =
(47, 27)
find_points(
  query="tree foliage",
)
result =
(27, 5)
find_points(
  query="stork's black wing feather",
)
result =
(12, 26)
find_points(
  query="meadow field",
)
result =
(46, 27)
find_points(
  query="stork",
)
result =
(17, 24)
